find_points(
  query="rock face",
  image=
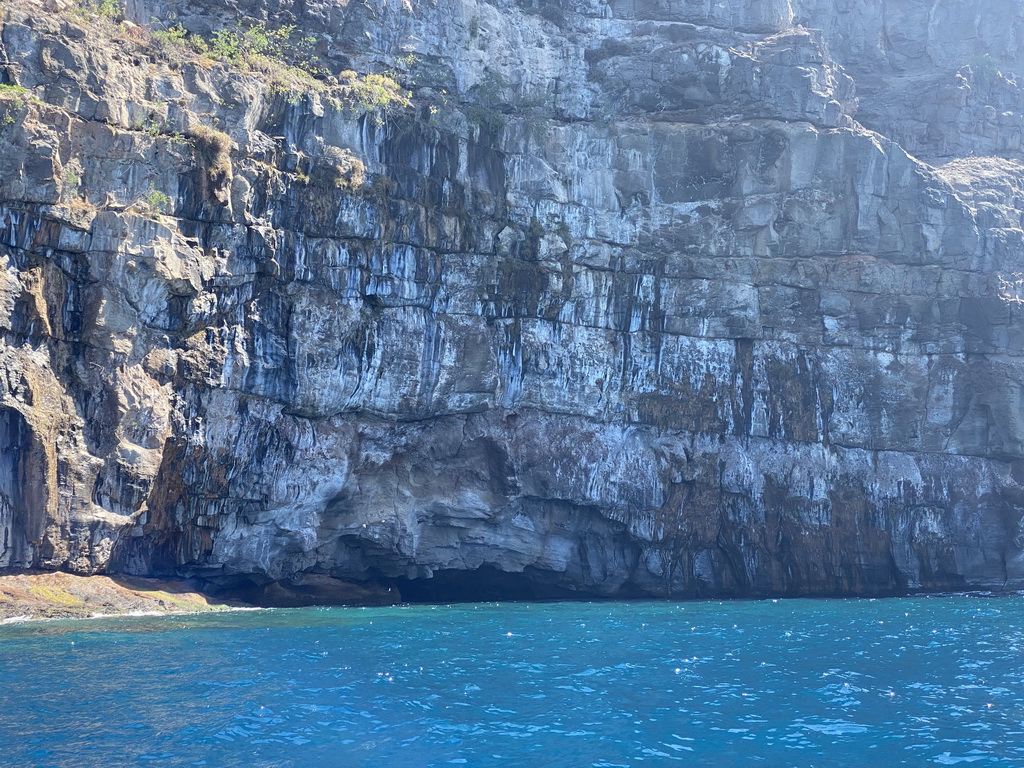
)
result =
(638, 298)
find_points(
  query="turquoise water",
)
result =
(794, 682)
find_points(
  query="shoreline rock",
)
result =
(65, 596)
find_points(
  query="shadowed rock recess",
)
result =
(637, 297)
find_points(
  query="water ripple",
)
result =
(824, 683)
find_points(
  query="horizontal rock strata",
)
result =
(635, 298)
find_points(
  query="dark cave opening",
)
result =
(489, 584)
(486, 584)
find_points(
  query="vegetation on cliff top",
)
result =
(287, 59)
(284, 58)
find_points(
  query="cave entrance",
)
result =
(485, 584)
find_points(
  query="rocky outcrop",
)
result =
(68, 596)
(631, 300)
(937, 76)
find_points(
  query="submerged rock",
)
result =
(625, 301)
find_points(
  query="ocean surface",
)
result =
(918, 681)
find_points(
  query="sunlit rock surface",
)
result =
(639, 297)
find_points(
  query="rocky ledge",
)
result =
(67, 596)
(513, 298)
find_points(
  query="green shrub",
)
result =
(14, 99)
(226, 46)
(289, 62)
(175, 35)
(72, 177)
(373, 92)
(16, 91)
(107, 9)
(258, 46)
(349, 170)
(176, 43)
(157, 201)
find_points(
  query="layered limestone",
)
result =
(637, 298)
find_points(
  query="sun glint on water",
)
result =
(791, 682)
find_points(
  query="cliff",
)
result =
(637, 297)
